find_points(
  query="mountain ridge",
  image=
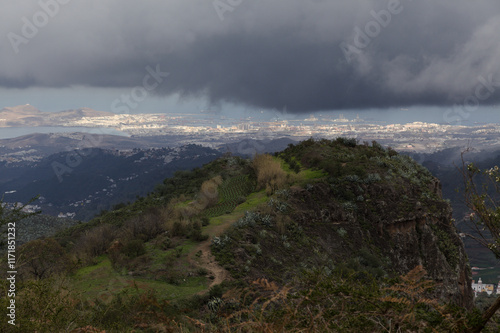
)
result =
(28, 115)
(349, 230)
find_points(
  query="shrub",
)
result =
(46, 305)
(178, 229)
(353, 178)
(334, 168)
(249, 220)
(267, 220)
(349, 206)
(391, 152)
(283, 193)
(197, 235)
(377, 146)
(269, 172)
(147, 226)
(134, 248)
(41, 258)
(95, 241)
(312, 159)
(220, 242)
(205, 221)
(348, 142)
(372, 178)
(342, 232)
(282, 207)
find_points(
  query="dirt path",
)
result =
(207, 260)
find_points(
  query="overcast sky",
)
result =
(302, 55)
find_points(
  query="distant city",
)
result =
(213, 130)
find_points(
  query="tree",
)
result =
(482, 197)
(41, 258)
(11, 215)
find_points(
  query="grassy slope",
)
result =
(101, 280)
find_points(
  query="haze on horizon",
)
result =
(437, 59)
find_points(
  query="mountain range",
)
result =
(29, 116)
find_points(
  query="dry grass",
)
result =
(269, 173)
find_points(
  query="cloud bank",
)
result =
(306, 55)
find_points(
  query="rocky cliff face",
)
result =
(431, 240)
(373, 212)
(402, 231)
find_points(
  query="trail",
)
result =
(207, 260)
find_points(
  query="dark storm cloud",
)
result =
(303, 54)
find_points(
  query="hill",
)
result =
(323, 236)
(84, 182)
(250, 147)
(28, 115)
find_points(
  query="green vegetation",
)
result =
(326, 236)
(446, 245)
(231, 193)
(483, 200)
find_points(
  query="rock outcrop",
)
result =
(398, 228)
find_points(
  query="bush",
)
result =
(220, 242)
(95, 241)
(46, 305)
(377, 146)
(205, 221)
(334, 168)
(178, 229)
(372, 178)
(41, 258)
(342, 232)
(349, 206)
(269, 172)
(147, 226)
(352, 178)
(249, 220)
(391, 152)
(348, 142)
(134, 248)
(197, 235)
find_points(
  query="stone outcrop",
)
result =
(406, 234)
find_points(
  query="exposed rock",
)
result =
(425, 236)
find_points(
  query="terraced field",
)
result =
(230, 193)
